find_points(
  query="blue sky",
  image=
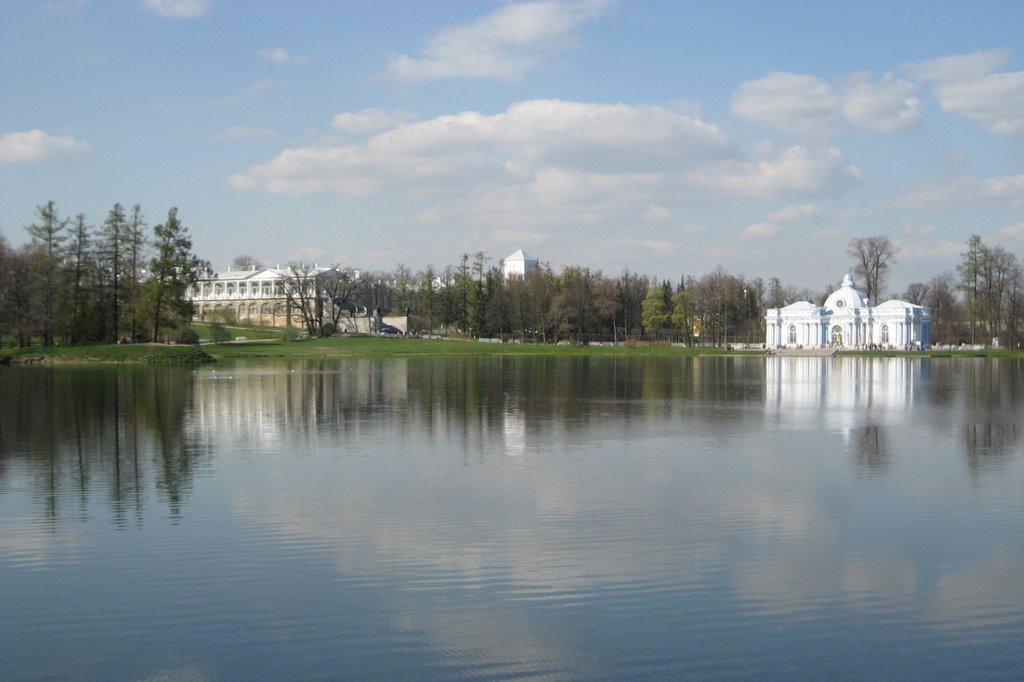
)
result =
(664, 137)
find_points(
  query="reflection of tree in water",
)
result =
(871, 451)
(83, 432)
(577, 392)
(989, 446)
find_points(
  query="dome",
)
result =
(846, 297)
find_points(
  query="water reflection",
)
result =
(563, 518)
(79, 433)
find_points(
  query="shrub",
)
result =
(186, 335)
(218, 334)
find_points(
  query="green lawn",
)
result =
(370, 346)
(134, 353)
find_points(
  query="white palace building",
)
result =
(848, 320)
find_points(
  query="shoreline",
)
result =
(347, 347)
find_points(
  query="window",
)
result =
(885, 333)
(792, 333)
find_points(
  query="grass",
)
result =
(205, 331)
(107, 353)
(368, 346)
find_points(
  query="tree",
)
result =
(136, 250)
(84, 323)
(173, 269)
(114, 235)
(916, 293)
(48, 235)
(970, 269)
(655, 310)
(246, 262)
(872, 258)
(946, 311)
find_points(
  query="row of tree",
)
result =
(982, 302)
(76, 283)
(73, 282)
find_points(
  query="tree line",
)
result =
(73, 282)
(981, 303)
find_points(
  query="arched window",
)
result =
(792, 333)
(885, 333)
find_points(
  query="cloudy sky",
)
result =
(667, 137)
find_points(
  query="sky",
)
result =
(668, 138)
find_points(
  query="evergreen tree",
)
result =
(114, 235)
(173, 269)
(136, 248)
(48, 235)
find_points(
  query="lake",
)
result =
(553, 518)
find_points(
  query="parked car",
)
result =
(388, 330)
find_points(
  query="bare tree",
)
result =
(872, 258)
(246, 262)
(916, 293)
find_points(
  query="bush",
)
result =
(328, 329)
(218, 334)
(186, 335)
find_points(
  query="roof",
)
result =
(520, 255)
(262, 274)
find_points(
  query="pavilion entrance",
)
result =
(837, 336)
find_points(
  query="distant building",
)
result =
(256, 296)
(260, 296)
(518, 264)
(848, 320)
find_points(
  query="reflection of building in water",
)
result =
(848, 319)
(295, 401)
(853, 396)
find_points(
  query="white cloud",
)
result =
(246, 133)
(965, 191)
(965, 85)
(548, 164)
(251, 92)
(306, 254)
(793, 172)
(760, 231)
(929, 250)
(801, 104)
(178, 9)
(280, 55)
(793, 214)
(39, 147)
(505, 44)
(1013, 231)
(657, 214)
(885, 106)
(545, 143)
(923, 231)
(663, 247)
(513, 236)
(958, 68)
(369, 120)
(789, 103)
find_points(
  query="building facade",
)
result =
(518, 264)
(848, 320)
(260, 296)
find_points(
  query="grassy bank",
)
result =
(369, 346)
(366, 346)
(109, 353)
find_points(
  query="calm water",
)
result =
(495, 518)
